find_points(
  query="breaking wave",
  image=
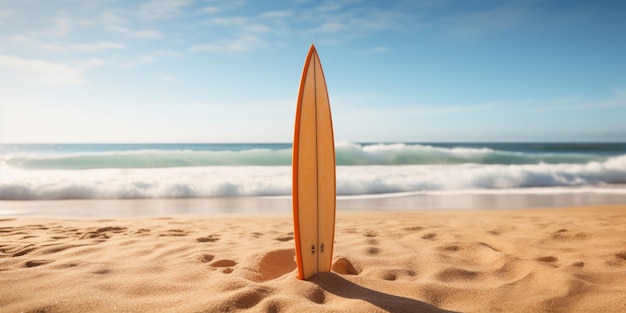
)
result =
(346, 154)
(467, 170)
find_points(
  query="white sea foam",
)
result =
(231, 181)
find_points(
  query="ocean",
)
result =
(364, 170)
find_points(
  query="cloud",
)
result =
(242, 44)
(276, 14)
(335, 21)
(168, 78)
(113, 17)
(142, 60)
(257, 28)
(338, 21)
(61, 27)
(118, 20)
(333, 26)
(149, 58)
(43, 46)
(226, 5)
(210, 10)
(97, 47)
(329, 7)
(46, 73)
(142, 33)
(236, 21)
(5, 14)
(36, 44)
(162, 9)
(242, 24)
(620, 93)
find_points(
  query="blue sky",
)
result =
(228, 71)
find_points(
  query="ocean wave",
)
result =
(149, 159)
(406, 154)
(234, 181)
(346, 154)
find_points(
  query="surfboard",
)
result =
(313, 164)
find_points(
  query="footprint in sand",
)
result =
(174, 233)
(111, 229)
(34, 263)
(206, 258)
(619, 259)
(284, 238)
(547, 259)
(414, 228)
(142, 231)
(564, 234)
(223, 263)
(451, 248)
(457, 274)
(37, 227)
(315, 294)
(372, 251)
(102, 233)
(209, 238)
(394, 274)
(429, 236)
(370, 233)
(273, 306)
(390, 276)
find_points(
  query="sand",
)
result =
(530, 260)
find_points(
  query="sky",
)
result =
(75, 71)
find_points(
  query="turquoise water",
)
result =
(91, 156)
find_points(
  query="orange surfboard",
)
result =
(314, 193)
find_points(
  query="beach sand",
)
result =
(528, 260)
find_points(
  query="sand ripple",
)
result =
(554, 260)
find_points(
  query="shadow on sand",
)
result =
(341, 287)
